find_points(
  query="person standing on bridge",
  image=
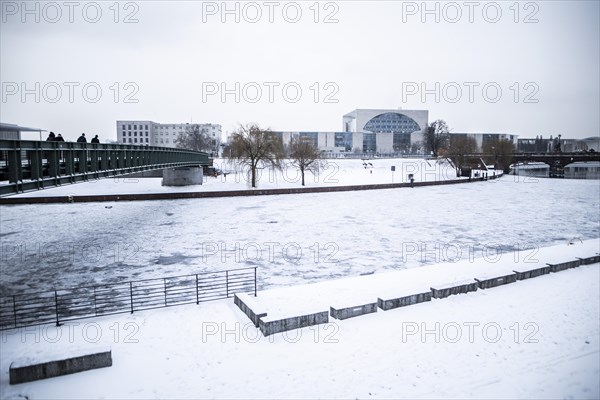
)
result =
(95, 139)
(82, 139)
(59, 138)
(51, 137)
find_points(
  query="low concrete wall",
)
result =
(270, 326)
(27, 370)
(182, 176)
(231, 193)
(349, 312)
(245, 303)
(532, 273)
(446, 290)
(496, 281)
(564, 265)
(391, 303)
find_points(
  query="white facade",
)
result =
(151, 133)
(356, 121)
(395, 130)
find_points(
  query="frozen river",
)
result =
(291, 238)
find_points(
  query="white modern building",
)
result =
(151, 133)
(385, 130)
(370, 131)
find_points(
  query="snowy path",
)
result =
(305, 299)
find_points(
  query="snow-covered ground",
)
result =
(331, 173)
(537, 338)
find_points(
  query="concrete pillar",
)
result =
(182, 176)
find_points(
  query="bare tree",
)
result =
(499, 152)
(304, 155)
(194, 138)
(415, 147)
(435, 136)
(257, 148)
(461, 146)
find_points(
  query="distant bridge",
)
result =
(31, 164)
(556, 161)
(562, 159)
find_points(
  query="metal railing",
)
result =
(62, 305)
(29, 164)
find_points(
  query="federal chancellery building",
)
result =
(370, 131)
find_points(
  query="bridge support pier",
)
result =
(183, 176)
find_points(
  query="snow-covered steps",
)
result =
(287, 308)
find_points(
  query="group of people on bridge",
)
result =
(81, 139)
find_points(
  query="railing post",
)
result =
(165, 283)
(15, 309)
(227, 283)
(131, 295)
(197, 298)
(255, 281)
(95, 309)
(56, 307)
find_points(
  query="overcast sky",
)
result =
(528, 68)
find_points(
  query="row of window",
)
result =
(129, 140)
(135, 133)
(144, 140)
(135, 127)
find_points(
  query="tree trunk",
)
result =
(302, 172)
(253, 170)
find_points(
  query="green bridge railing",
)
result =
(30, 164)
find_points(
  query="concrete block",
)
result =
(590, 260)
(449, 289)
(565, 265)
(403, 301)
(531, 273)
(249, 307)
(31, 369)
(496, 281)
(353, 311)
(269, 326)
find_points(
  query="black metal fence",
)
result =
(58, 306)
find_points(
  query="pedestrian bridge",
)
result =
(30, 164)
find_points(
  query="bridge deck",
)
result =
(28, 164)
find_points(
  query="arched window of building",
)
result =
(392, 123)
